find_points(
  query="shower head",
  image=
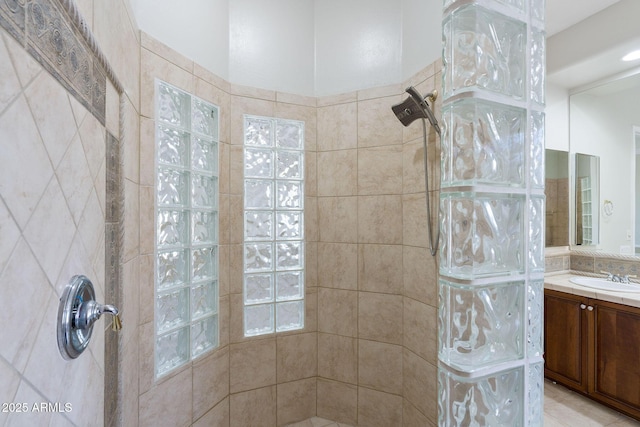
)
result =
(416, 107)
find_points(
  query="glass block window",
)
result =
(273, 225)
(186, 205)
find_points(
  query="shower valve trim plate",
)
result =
(77, 313)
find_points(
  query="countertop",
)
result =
(560, 282)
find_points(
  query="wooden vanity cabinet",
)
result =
(566, 334)
(593, 347)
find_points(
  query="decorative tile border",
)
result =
(12, 18)
(61, 45)
(114, 240)
(582, 263)
(594, 262)
(591, 263)
(556, 263)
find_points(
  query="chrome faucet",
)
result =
(616, 278)
(610, 276)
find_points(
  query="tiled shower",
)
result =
(368, 304)
(368, 352)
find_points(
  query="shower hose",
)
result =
(433, 244)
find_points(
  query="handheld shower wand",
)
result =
(413, 108)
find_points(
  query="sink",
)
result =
(605, 285)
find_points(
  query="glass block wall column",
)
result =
(186, 261)
(492, 214)
(273, 225)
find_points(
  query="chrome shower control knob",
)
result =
(77, 313)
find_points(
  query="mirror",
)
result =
(557, 198)
(586, 199)
(604, 122)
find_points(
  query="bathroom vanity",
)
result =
(592, 342)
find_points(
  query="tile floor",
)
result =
(562, 408)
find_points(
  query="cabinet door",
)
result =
(617, 357)
(566, 339)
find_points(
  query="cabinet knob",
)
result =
(590, 308)
(583, 306)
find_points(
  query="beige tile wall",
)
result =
(52, 160)
(377, 290)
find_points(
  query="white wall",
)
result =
(271, 45)
(358, 44)
(421, 34)
(557, 118)
(306, 47)
(199, 32)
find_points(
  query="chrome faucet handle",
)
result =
(626, 277)
(610, 276)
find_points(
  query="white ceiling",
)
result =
(561, 14)
(586, 40)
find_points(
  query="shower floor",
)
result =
(318, 422)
